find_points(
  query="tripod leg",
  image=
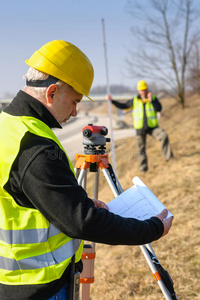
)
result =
(77, 171)
(81, 176)
(119, 186)
(88, 255)
(110, 182)
(155, 272)
(84, 182)
(114, 179)
(142, 247)
(96, 184)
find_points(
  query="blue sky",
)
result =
(25, 25)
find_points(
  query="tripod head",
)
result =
(94, 139)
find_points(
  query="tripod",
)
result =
(95, 160)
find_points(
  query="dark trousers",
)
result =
(160, 135)
(61, 295)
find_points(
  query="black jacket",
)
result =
(41, 178)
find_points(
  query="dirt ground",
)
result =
(121, 272)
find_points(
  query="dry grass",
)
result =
(121, 272)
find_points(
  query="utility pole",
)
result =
(109, 102)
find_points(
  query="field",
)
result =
(121, 272)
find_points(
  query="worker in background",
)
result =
(45, 214)
(145, 108)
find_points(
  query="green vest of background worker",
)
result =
(145, 121)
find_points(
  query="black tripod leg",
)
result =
(148, 254)
(110, 182)
(163, 274)
(114, 179)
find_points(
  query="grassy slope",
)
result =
(121, 272)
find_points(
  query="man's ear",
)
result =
(51, 92)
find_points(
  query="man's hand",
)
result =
(149, 96)
(108, 97)
(100, 204)
(166, 222)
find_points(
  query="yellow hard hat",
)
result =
(142, 85)
(66, 62)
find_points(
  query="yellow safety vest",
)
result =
(32, 250)
(138, 114)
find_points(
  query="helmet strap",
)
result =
(42, 83)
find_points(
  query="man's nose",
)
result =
(74, 112)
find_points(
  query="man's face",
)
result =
(143, 93)
(64, 104)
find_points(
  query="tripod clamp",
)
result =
(162, 274)
(94, 163)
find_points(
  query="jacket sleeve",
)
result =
(157, 105)
(125, 105)
(48, 184)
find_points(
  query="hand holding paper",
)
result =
(137, 202)
(166, 222)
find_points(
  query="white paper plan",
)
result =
(137, 202)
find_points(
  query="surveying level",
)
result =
(94, 140)
(93, 160)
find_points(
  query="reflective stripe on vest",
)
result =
(28, 236)
(27, 240)
(138, 114)
(43, 260)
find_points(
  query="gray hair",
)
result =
(33, 74)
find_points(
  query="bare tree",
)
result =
(193, 76)
(164, 37)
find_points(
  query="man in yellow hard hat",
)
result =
(146, 107)
(45, 214)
